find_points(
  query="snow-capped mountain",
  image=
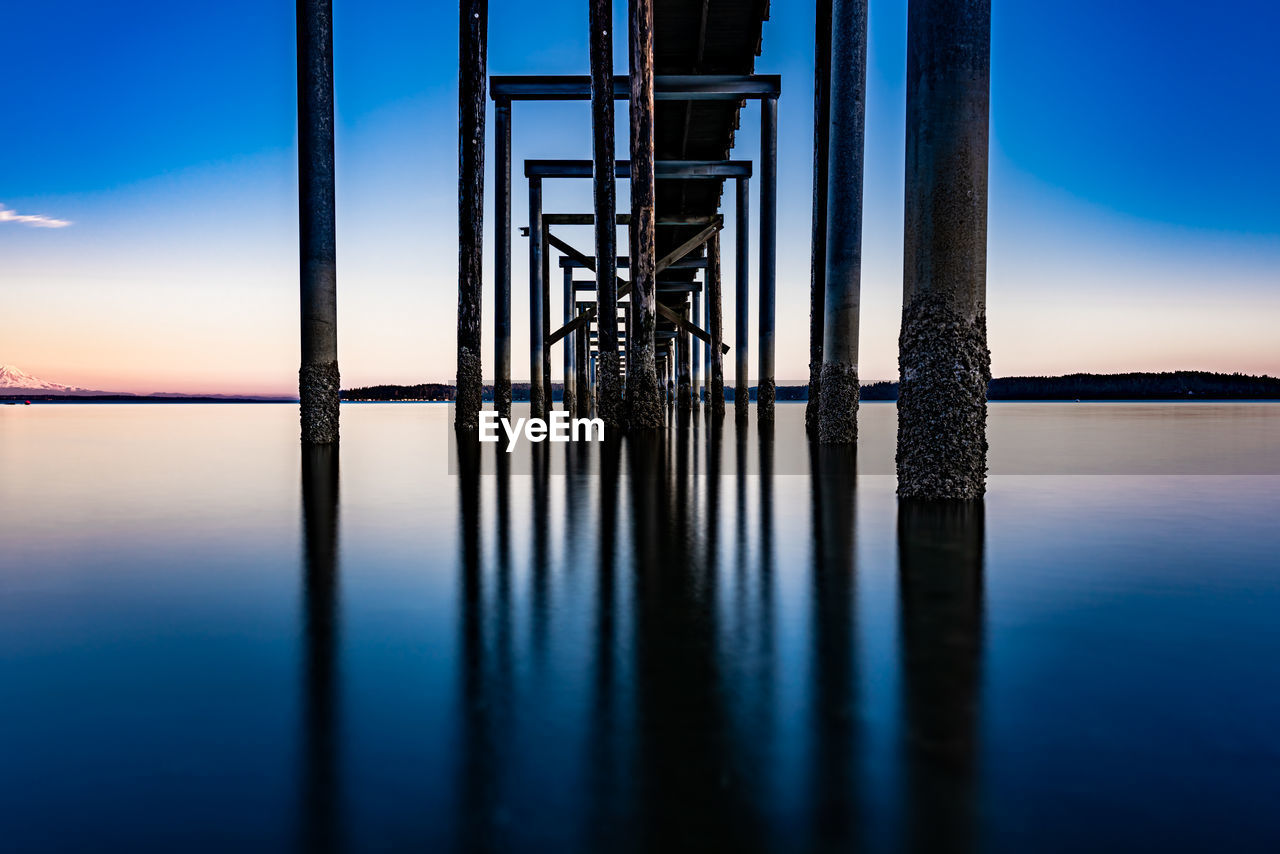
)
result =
(17, 381)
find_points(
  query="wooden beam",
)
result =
(688, 246)
(663, 169)
(667, 87)
(623, 261)
(624, 288)
(625, 219)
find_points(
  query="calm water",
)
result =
(210, 640)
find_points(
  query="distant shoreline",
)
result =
(1171, 386)
(1175, 385)
(136, 398)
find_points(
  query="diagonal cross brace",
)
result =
(624, 287)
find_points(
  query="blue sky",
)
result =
(1133, 223)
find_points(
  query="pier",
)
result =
(638, 334)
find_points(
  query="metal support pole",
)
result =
(502, 258)
(318, 379)
(715, 328)
(608, 389)
(838, 406)
(944, 361)
(537, 394)
(741, 394)
(818, 234)
(768, 255)
(644, 403)
(570, 372)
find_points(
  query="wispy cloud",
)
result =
(33, 220)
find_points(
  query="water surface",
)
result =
(212, 640)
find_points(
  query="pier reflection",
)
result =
(940, 574)
(659, 700)
(833, 783)
(320, 796)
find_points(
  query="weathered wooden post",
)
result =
(765, 392)
(318, 379)
(502, 257)
(537, 349)
(673, 366)
(644, 402)
(943, 357)
(628, 308)
(608, 381)
(568, 344)
(715, 328)
(547, 396)
(696, 351)
(818, 234)
(684, 390)
(742, 272)
(582, 352)
(473, 29)
(706, 324)
(592, 379)
(838, 408)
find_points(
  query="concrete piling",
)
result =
(818, 234)
(943, 357)
(838, 405)
(765, 392)
(319, 383)
(742, 241)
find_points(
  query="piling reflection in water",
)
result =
(679, 739)
(320, 775)
(833, 785)
(940, 573)
(730, 664)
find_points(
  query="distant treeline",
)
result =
(139, 398)
(1174, 385)
(1170, 385)
(426, 391)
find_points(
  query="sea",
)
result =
(719, 638)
